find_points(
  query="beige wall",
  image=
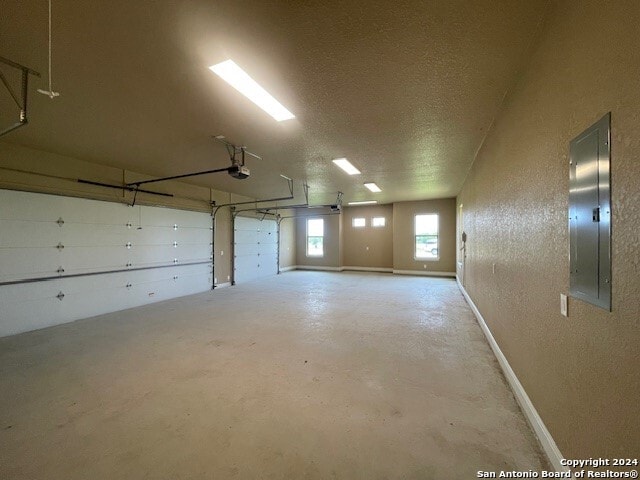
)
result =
(389, 247)
(287, 242)
(332, 241)
(582, 372)
(403, 235)
(368, 247)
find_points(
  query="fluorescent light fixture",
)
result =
(345, 165)
(367, 202)
(373, 187)
(241, 81)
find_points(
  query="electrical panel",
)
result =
(590, 214)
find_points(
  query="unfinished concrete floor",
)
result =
(304, 375)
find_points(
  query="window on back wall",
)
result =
(359, 222)
(378, 222)
(315, 237)
(426, 237)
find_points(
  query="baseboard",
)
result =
(314, 267)
(288, 269)
(544, 436)
(425, 273)
(222, 285)
(368, 269)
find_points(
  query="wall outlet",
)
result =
(228, 277)
(493, 268)
(564, 308)
(215, 280)
(424, 266)
(221, 253)
(367, 247)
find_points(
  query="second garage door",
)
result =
(255, 248)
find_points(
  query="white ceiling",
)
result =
(406, 90)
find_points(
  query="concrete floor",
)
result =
(307, 375)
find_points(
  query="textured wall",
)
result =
(332, 242)
(403, 235)
(368, 246)
(581, 372)
(287, 242)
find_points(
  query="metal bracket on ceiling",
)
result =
(20, 101)
(236, 161)
(249, 202)
(305, 187)
(235, 150)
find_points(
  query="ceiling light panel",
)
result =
(231, 73)
(345, 165)
(367, 202)
(373, 187)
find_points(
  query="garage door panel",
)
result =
(18, 263)
(268, 264)
(246, 223)
(194, 235)
(267, 249)
(246, 236)
(95, 236)
(92, 259)
(268, 237)
(246, 249)
(255, 248)
(25, 234)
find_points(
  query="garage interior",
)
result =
(191, 286)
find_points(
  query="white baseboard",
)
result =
(222, 285)
(368, 269)
(424, 273)
(544, 436)
(288, 269)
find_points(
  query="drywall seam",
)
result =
(425, 273)
(544, 436)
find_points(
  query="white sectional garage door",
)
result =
(63, 258)
(255, 248)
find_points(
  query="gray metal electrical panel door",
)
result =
(590, 214)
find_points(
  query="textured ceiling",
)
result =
(406, 90)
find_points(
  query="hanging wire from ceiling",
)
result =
(49, 93)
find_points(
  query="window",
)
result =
(378, 222)
(359, 222)
(315, 237)
(426, 237)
